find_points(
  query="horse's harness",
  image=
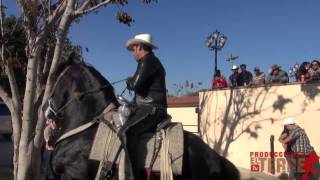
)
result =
(56, 114)
(77, 96)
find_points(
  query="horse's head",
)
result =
(79, 94)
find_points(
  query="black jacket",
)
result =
(148, 82)
(245, 77)
(235, 80)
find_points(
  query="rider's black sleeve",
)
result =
(145, 70)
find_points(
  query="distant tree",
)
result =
(186, 88)
(45, 25)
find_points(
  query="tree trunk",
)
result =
(62, 33)
(15, 115)
(26, 145)
(16, 139)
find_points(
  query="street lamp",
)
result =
(216, 42)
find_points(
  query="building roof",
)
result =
(184, 101)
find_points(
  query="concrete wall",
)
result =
(186, 115)
(239, 121)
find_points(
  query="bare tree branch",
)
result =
(51, 21)
(85, 10)
(5, 97)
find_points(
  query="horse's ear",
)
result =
(72, 57)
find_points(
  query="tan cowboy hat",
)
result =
(289, 120)
(141, 38)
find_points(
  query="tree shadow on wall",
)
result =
(311, 90)
(280, 103)
(242, 105)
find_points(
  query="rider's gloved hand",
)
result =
(129, 83)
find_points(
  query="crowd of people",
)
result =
(307, 71)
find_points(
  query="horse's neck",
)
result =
(77, 119)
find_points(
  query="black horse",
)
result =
(80, 94)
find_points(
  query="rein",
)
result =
(83, 127)
(79, 96)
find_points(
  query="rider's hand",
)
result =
(129, 83)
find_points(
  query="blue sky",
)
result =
(261, 32)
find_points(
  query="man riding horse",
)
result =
(81, 95)
(150, 100)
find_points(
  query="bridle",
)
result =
(52, 113)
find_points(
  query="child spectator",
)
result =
(219, 81)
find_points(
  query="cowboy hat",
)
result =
(289, 120)
(256, 69)
(141, 38)
(234, 67)
(275, 66)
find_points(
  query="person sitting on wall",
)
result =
(314, 71)
(303, 74)
(219, 81)
(244, 76)
(234, 78)
(258, 78)
(277, 75)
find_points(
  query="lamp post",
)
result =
(216, 42)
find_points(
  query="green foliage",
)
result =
(14, 41)
(15, 44)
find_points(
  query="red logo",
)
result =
(255, 167)
(310, 160)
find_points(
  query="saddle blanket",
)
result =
(107, 143)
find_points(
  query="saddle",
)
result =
(168, 141)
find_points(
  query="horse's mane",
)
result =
(72, 61)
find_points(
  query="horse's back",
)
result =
(205, 163)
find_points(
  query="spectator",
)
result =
(277, 75)
(315, 70)
(219, 81)
(301, 147)
(51, 133)
(303, 74)
(287, 149)
(234, 77)
(244, 76)
(258, 78)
